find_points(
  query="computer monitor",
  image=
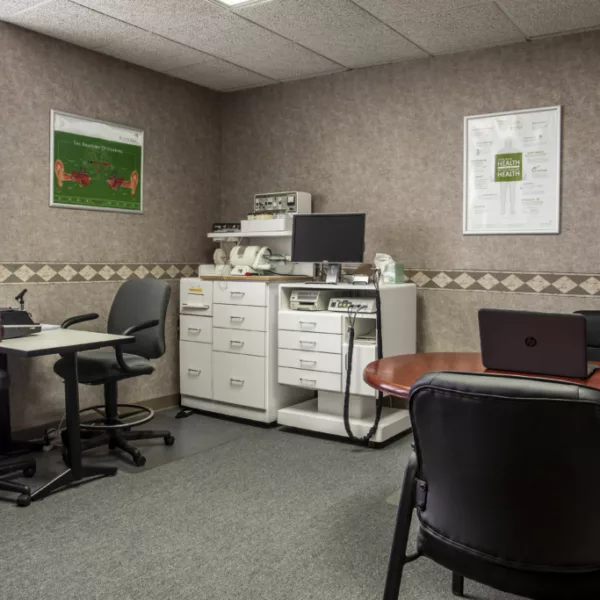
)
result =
(331, 238)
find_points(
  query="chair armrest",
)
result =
(129, 331)
(140, 326)
(78, 319)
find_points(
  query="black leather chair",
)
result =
(505, 479)
(592, 318)
(139, 309)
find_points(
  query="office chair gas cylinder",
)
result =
(139, 309)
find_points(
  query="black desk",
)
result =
(67, 343)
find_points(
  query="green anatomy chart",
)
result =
(95, 165)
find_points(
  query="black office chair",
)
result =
(505, 478)
(10, 466)
(139, 308)
(592, 318)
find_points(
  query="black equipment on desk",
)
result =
(15, 323)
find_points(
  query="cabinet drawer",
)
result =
(239, 342)
(310, 342)
(196, 296)
(313, 380)
(195, 329)
(239, 379)
(307, 321)
(251, 318)
(195, 368)
(241, 293)
(310, 361)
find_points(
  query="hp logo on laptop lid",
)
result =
(530, 341)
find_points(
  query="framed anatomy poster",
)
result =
(95, 165)
(512, 172)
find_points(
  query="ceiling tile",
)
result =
(152, 51)
(543, 17)
(219, 75)
(338, 29)
(471, 27)
(217, 31)
(154, 15)
(392, 10)
(72, 23)
(10, 7)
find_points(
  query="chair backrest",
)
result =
(592, 320)
(512, 468)
(138, 301)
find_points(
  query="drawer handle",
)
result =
(194, 329)
(238, 294)
(233, 381)
(308, 343)
(308, 381)
(196, 306)
(311, 324)
(237, 319)
(236, 343)
(195, 371)
(312, 363)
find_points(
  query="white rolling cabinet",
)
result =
(228, 349)
(313, 354)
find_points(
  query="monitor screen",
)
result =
(335, 238)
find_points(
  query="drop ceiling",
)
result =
(265, 42)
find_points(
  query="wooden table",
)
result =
(395, 375)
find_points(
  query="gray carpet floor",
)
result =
(257, 514)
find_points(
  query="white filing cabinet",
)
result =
(228, 349)
(313, 354)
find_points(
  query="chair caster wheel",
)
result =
(169, 440)
(139, 460)
(24, 500)
(29, 472)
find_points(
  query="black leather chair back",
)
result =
(138, 301)
(592, 318)
(505, 461)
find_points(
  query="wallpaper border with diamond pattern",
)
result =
(63, 272)
(560, 284)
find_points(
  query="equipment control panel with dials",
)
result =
(360, 305)
(283, 202)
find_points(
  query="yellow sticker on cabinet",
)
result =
(195, 290)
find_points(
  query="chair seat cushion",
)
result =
(99, 366)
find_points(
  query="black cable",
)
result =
(379, 345)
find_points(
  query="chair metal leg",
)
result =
(145, 434)
(458, 585)
(401, 531)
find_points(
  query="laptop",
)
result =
(534, 342)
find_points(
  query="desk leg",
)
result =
(76, 471)
(7, 444)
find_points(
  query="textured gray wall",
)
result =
(389, 140)
(181, 188)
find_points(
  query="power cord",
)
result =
(379, 345)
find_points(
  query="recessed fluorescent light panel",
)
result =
(237, 2)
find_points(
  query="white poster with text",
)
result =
(512, 172)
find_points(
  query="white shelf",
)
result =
(306, 416)
(249, 234)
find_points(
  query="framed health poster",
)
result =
(512, 172)
(95, 165)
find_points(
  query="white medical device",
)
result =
(310, 299)
(283, 202)
(360, 305)
(250, 260)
